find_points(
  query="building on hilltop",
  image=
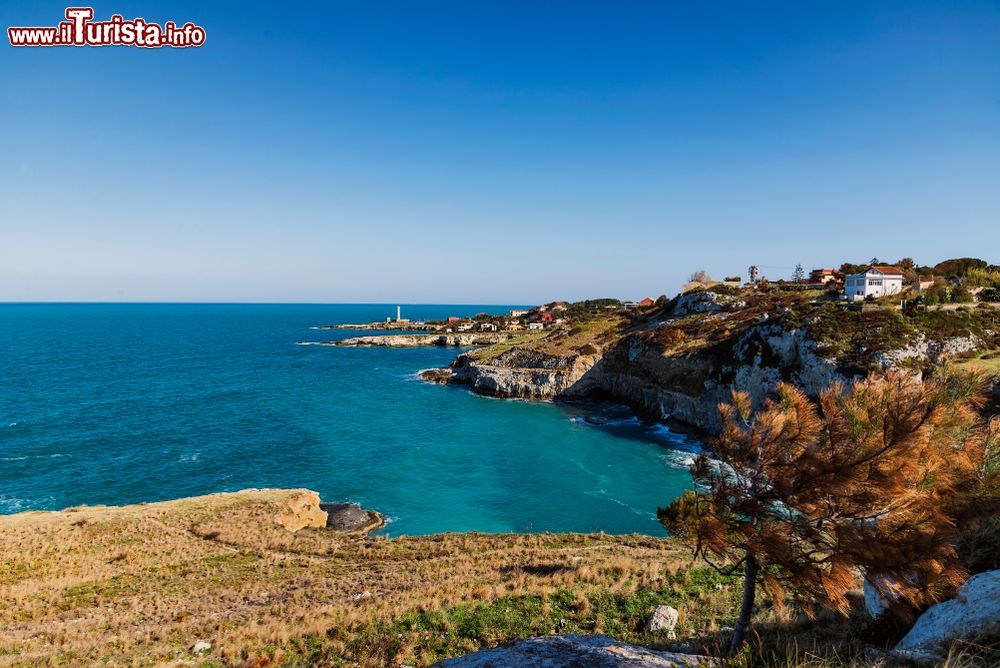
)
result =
(878, 281)
(518, 312)
(824, 276)
(647, 302)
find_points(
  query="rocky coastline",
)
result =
(418, 340)
(654, 367)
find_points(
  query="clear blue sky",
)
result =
(503, 152)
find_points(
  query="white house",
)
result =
(535, 325)
(877, 281)
(488, 327)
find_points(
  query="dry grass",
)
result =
(987, 362)
(587, 337)
(138, 585)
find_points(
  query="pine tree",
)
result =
(875, 481)
(799, 275)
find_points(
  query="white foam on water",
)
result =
(604, 495)
(54, 455)
(13, 504)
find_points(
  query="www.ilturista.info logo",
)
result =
(80, 30)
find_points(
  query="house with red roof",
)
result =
(823, 276)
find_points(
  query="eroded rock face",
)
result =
(545, 379)
(925, 349)
(974, 610)
(674, 384)
(301, 511)
(697, 302)
(573, 651)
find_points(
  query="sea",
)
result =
(128, 403)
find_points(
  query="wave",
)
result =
(603, 494)
(54, 455)
(14, 504)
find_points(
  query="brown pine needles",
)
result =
(875, 482)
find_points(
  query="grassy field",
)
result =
(139, 585)
(583, 337)
(987, 362)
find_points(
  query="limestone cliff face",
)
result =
(685, 385)
(689, 387)
(542, 378)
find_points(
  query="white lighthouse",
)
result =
(399, 313)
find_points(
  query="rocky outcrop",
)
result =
(975, 610)
(537, 377)
(689, 387)
(302, 510)
(350, 517)
(685, 387)
(421, 340)
(924, 349)
(697, 302)
(573, 651)
(685, 358)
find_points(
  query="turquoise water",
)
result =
(122, 403)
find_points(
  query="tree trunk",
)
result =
(746, 609)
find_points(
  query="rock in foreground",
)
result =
(573, 651)
(974, 610)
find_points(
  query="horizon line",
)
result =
(262, 303)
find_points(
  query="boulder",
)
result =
(302, 510)
(572, 651)
(664, 618)
(201, 646)
(974, 610)
(350, 517)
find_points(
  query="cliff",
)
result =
(680, 361)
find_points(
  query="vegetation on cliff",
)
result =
(710, 336)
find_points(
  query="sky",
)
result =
(493, 152)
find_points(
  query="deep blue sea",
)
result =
(123, 403)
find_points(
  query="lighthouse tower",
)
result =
(399, 314)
